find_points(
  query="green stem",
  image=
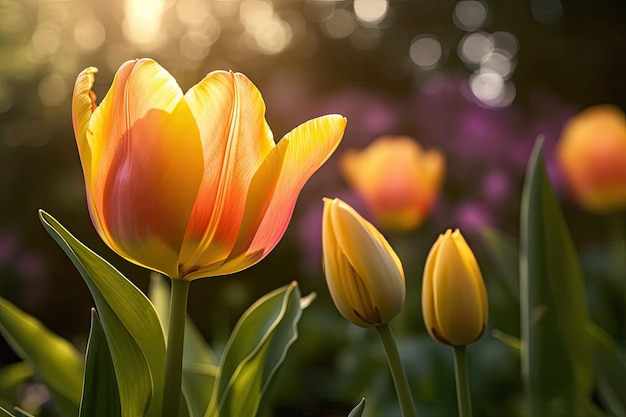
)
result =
(397, 371)
(462, 384)
(174, 357)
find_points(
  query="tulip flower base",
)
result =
(126, 348)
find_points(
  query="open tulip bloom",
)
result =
(191, 185)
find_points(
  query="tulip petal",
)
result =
(455, 296)
(229, 111)
(83, 105)
(428, 302)
(471, 265)
(259, 196)
(310, 145)
(340, 273)
(147, 165)
(372, 257)
(307, 147)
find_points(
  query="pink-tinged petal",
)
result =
(83, 105)
(230, 114)
(149, 166)
(95, 145)
(149, 201)
(138, 87)
(260, 195)
(307, 147)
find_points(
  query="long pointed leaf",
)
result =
(506, 258)
(556, 350)
(4, 412)
(610, 361)
(101, 398)
(254, 352)
(55, 360)
(129, 321)
(358, 410)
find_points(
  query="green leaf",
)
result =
(4, 412)
(506, 258)
(610, 364)
(55, 360)
(101, 398)
(21, 413)
(130, 324)
(556, 350)
(358, 410)
(199, 366)
(254, 352)
(13, 376)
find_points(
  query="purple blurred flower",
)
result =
(8, 248)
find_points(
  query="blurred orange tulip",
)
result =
(592, 153)
(398, 180)
(191, 185)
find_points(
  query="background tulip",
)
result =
(364, 275)
(398, 180)
(191, 185)
(454, 299)
(592, 153)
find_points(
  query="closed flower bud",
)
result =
(454, 299)
(364, 274)
(592, 154)
(397, 179)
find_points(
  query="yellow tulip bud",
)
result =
(363, 273)
(454, 299)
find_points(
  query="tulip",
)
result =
(398, 180)
(363, 273)
(592, 154)
(454, 299)
(191, 185)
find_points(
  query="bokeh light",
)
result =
(470, 15)
(492, 89)
(474, 47)
(370, 11)
(142, 22)
(425, 51)
(89, 34)
(546, 11)
(340, 24)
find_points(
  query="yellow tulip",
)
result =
(363, 273)
(191, 185)
(398, 180)
(592, 153)
(454, 299)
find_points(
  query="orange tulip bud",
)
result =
(592, 153)
(364, 275)
(454, 298)
(191, 185)
(397, 179)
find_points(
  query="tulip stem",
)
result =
(397, 371)
(462, 383)
(175, 339)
